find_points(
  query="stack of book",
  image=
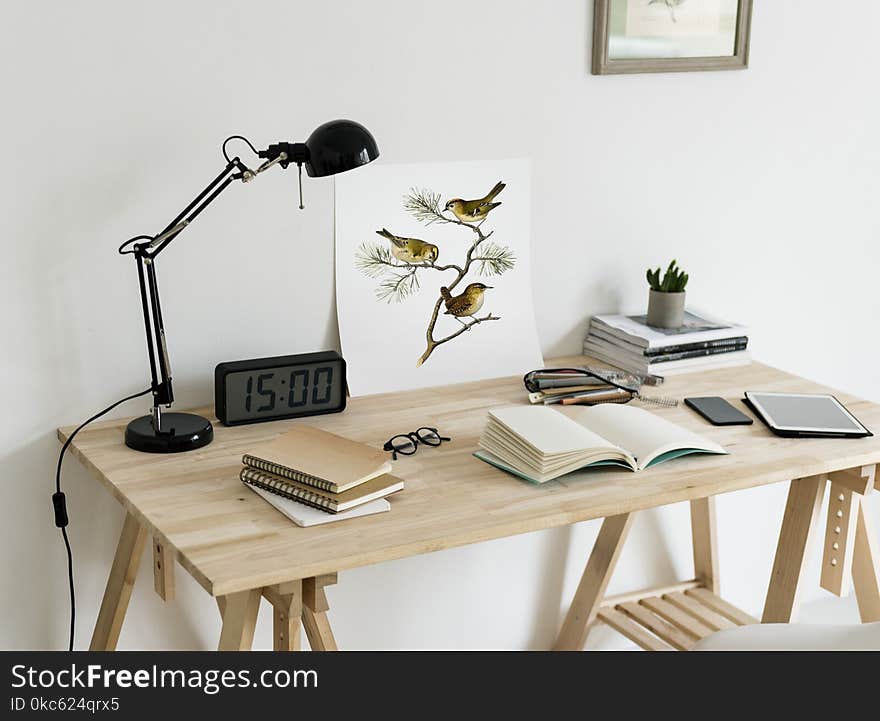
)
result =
(313, 476)
(701, 343)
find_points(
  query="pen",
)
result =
(593, 397)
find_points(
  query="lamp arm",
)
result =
(204, 199)
(145, 255)
(234, 170)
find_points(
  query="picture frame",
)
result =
(636, 29)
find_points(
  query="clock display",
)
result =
(282, 387)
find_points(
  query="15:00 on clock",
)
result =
(268, 389)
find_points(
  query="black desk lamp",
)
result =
(332, 148)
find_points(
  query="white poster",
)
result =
(433, 280)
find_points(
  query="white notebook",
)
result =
(303, 515)
(540, 443)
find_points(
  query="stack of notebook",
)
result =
(701, 343)
(313, 476)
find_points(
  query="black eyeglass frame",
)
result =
(415, 438)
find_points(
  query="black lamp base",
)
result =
(181, 432)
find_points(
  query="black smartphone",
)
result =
(718, 411)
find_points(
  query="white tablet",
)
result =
(805, 414)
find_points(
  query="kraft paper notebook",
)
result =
(540, 444)
(320, 459)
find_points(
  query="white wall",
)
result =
(762, 183)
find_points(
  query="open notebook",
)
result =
(539, 443)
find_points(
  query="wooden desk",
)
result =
(197, 513)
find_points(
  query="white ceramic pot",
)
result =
(665, 310)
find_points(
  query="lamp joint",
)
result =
(295, 152)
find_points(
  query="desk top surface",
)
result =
(231, 540)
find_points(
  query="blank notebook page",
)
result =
(641, 432)
(549, 432)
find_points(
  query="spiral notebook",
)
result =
(378, 487)
(320, 459)
(306, 516)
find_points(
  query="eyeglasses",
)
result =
(408, 443)
(627, 385)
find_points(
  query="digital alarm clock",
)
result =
(269, 389)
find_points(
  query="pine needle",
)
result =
(397, 287)
(494, 259)
(424, 205)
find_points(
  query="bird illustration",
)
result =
(466, 304)
(671, 4)
(411, 250)
(469, 211)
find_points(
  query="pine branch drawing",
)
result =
(397, 264)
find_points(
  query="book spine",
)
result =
(285, 472)
(626, 365)
(598, 343)
(695, 353)
(740, 342)
(604, 336)
(277, 486)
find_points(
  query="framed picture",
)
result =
(658, 36)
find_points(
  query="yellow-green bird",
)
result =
(466, 304)
(411, 250)
(470, 211)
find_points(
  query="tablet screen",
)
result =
(803, 412)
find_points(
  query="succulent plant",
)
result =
(674, 280)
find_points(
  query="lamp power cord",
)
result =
(59, 503)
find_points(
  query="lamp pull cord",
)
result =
(300, 169)
(59, 503)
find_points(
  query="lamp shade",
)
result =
(337, 146)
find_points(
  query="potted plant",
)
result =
(666, 297)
